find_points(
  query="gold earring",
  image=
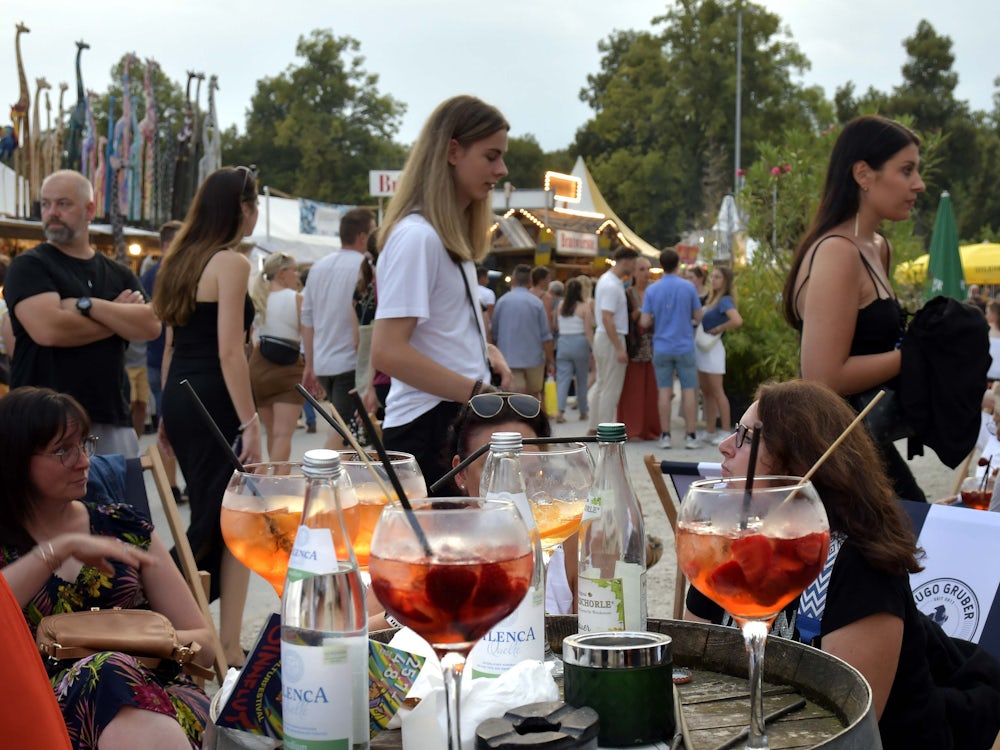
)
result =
(856, 223)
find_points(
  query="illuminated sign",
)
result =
(565, 187)
(576, 243)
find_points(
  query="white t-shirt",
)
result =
(418, 279)
(609, 294)
(487, 296)
(328, 308)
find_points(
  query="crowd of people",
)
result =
(407, 316)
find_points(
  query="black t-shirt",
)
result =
(94, 374)
(915, 714)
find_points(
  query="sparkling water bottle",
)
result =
(324, 627)
(520, 635)
(611, 589)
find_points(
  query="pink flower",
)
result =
(152, 698)
(788, 168)
(740, 172)
(775, 171)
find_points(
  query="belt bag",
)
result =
(141, 633)
(279, 351)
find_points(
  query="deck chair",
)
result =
(135, 492)
(681, 474)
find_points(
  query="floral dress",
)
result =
(92, 690)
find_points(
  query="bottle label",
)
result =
(516, 638)
(317, 711)
(592, 508)
(607, 604)
(313, 554)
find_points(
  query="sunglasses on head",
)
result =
(248, 172)
(488, 405)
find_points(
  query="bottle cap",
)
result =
(505, 441)
(321, 462)
(611, 432)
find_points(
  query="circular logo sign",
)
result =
(292, 666)
(951, 604)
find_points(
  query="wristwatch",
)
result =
(84, 305)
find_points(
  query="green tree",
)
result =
(317, 129)
(662, 139)
(526, 162)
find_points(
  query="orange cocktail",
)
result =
(557, 520)
(372, 499)
(750, 575)
(262, 539)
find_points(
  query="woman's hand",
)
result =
(500, 366)
(251, 451)
(98, 551)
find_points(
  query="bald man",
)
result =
(73, 312)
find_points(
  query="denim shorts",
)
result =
(665, 365)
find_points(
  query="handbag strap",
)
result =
(475, 314)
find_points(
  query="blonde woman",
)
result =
(275, 364)
(718, 316)
(201, 296)
(429, 335)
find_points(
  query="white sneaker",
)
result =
(701, 434)
(691, 442)
(665, 440)
(715, 438)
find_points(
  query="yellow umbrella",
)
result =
(980, 262)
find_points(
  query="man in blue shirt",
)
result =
(520, 329)
(671, 306)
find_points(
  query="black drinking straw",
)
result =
(483, 448)
(322, 411)
(758, 428)
(213, 428)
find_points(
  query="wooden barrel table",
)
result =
(715, 706)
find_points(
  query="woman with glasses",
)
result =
(201, 296)
(278, 303)
(870, 618)
(65, 547)
(429, 335)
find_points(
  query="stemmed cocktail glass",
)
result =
(752, 553)
(476, 573)
(557, 479)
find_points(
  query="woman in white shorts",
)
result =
(720, 314)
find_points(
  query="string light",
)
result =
(575, 212)
(565, 187)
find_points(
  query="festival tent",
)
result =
(280, 225)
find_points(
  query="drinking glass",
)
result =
(261, 511)
(752, 553)
(557, 479)
(470, 570)
(371, 498)
(976, 492)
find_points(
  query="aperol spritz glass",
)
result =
(557, 479)
(469, 571)
(752, 553)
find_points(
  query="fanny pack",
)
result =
(279, 351)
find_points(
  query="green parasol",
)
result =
(944, 271)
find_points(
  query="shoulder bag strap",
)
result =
(475, 314)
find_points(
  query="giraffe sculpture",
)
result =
(211, 141)
(22, 133)
(146, 140)
(100, 178)
(78, 118)
(35, 171)
(182, 180)
(122, 143)
(59, 136)
(195, 130)
(88, 154)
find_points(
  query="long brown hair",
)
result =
(428, 187)
(728, 287)
(214, 222)
(872, 139)
(801, 420)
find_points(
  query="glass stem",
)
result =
(755, 636)
(452, 665)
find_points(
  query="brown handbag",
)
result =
(142, 633)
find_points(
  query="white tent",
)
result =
(279, 229)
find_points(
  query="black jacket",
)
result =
(945, 357)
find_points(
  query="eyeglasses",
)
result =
(248, 172)
(69, 456)
(742, 432)
(488, 405)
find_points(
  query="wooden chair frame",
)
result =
(670, 505)
(198, 581)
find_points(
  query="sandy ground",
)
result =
(935, 478)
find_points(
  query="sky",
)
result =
(530, 58)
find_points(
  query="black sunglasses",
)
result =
(488, 405)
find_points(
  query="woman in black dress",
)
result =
(837, 293)
(201, 295)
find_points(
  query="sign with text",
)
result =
(576, 243)
(382, 182)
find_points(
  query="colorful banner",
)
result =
(320, 218)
